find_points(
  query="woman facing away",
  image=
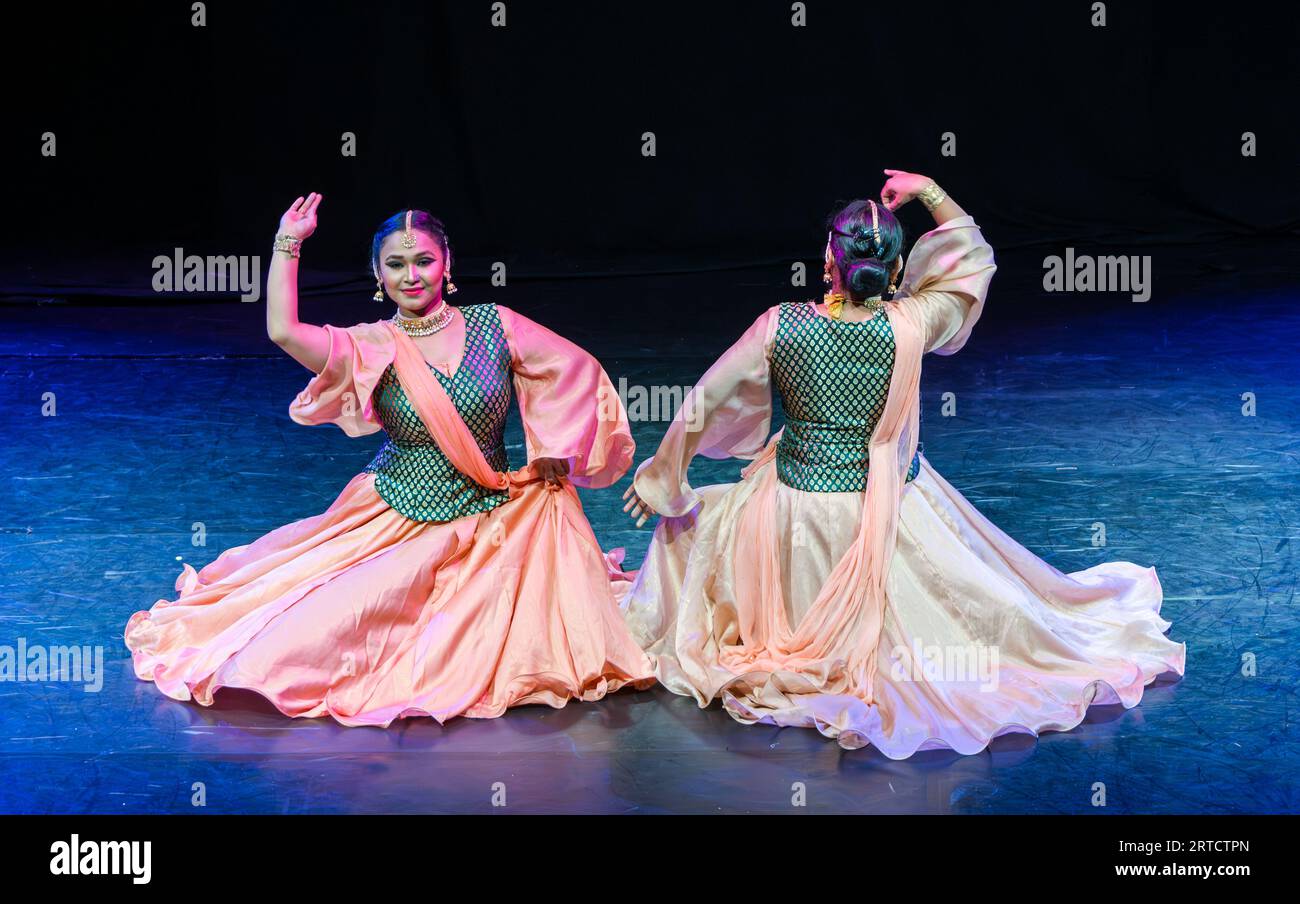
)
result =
(843, 584)
(439, 582)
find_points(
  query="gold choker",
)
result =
(426, 326)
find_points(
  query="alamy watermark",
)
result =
(657, 403)
(75, 857)
(1108, 273)
(214, 273)
(38, 662)
(976, 663)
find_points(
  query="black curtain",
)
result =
(527, 139)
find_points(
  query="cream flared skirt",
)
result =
(980, 637)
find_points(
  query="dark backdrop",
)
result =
(527, 139)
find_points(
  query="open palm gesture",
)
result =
(299, 220)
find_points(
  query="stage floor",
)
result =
(1095, 409)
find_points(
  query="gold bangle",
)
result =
(288, 244)
(931, 196)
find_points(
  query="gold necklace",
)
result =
(426, 326)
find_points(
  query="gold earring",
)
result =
(451, 286)
(892, 288)
(379, 292)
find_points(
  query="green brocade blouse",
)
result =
(833, 379)
(411, 473)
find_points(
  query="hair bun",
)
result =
(867, 278)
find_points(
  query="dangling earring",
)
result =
(450, 288)
(893, 281)
(379, 292)
(834, 301)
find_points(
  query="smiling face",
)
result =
(412, 276)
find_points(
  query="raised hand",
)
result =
(901, 187)
(299, 220)
(640, 509)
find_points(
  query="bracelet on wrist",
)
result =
(287, 244)
(931, 196)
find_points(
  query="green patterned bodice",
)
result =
(833, 378)
(411, 473)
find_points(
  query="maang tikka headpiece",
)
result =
(408, 239)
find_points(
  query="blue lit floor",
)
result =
(1092, 410)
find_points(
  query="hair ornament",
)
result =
(408, 239)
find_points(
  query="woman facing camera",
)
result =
(439, 583)
(843, 584)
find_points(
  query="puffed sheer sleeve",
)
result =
(948, 274)
(727, 414)
(341, 393)
(569, 407)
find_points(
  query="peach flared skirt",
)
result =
(364, 615)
